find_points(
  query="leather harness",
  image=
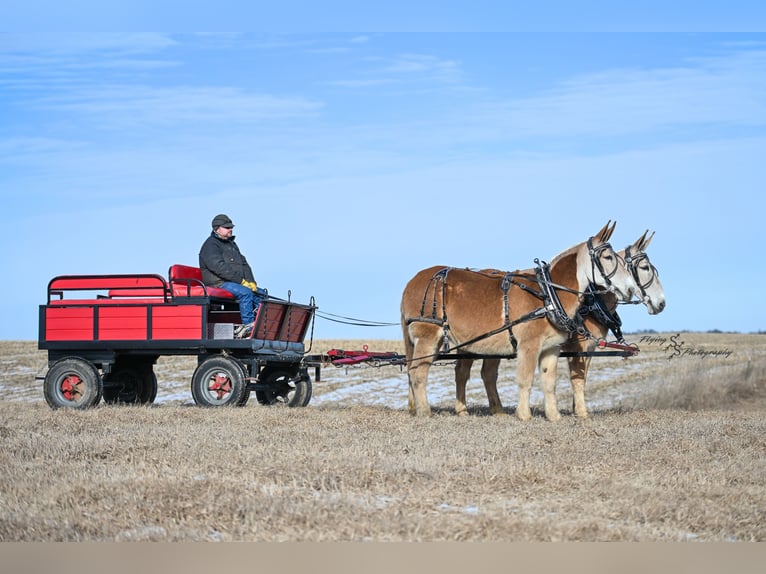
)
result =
(552, 308)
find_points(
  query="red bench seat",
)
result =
(186, 281)
(150, 292)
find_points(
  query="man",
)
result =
(224, 266)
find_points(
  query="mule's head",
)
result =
(647, 280)
(598, 264)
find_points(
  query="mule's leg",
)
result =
(525, 373)
(418, 376)
(548, 362)
(462, 374)
(489, 368)
(409, 349)
(578, 374)
(425, 338)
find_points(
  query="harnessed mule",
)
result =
(601, 316)
(598, 311)
(499, 313)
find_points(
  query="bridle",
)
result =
(632, 262)
(595, 261)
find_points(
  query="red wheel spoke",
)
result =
(71, 387)
(221, 385)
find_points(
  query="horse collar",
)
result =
(594, 305)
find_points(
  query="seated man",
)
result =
(224, 266)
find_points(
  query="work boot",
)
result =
(243, 331)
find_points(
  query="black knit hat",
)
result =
(222, 220)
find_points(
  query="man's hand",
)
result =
(252, 285)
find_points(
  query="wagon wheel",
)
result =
(284, 387)
(72, 383)
(218, 382)
(131, 385)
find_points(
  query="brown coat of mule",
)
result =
(472, 304)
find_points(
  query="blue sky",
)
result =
(351, 160)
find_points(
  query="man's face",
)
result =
(225, 232)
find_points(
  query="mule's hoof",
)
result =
(553, 417)
(524, 416)
(462, 413)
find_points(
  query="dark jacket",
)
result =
(220, 260)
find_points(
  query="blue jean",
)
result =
(248, 301)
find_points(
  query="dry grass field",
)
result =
(673, 451)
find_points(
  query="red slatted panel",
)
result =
(122, 323)
(69, 324)
(177, 322)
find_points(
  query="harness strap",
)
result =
(505, 285)
(438, 279)
(552, 307)
(555, 311)
(593, 304)
(536, 314)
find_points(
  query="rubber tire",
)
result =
(292, 394)
(139, 385)
(246, 394)
(230, 372)
(68, 370)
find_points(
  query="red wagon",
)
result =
(104, 334)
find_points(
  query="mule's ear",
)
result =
(611, 231)
(646, 240)
(638, 245)
(606, 232)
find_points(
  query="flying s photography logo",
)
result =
(678, 349)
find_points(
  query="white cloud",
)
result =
(120, 105)
(68, 44)
(406, 70)
(726, 90)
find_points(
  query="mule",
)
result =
(599, 316)
(598, 323)
(445, 309)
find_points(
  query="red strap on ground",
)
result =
(343, 357)
(630, 348)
